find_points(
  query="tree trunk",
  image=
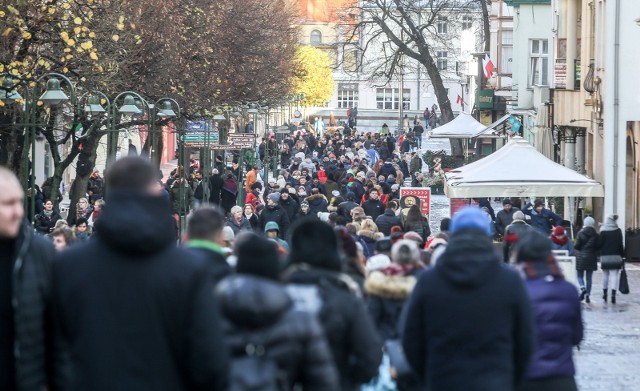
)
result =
(486, 28)
(84, 168)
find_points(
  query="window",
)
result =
(506, 53)
(389, 99)
(347, 95)
(442, 60)
(443, 27)
(316, 37)
(467, 22)
(539, 62)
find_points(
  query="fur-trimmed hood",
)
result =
(365, 233)
(315, 197)
(389, 287)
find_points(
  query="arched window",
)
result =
(316, 37)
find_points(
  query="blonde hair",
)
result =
(368, 225)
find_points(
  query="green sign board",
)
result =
(485, 99)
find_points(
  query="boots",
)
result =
(613, 296)
(586, 299)
(604, 295)
(583, 293)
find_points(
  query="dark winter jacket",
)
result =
(183, 193)
(422, 229)
(215, 187)
(358, 189)
(277, 214)
(448, 338)
(244, 225)
(345, 208)
(44, 224)
(217, 266)
(387, 294)
(387, 220)
(503, 219)
(415, 165)
(610, 243)
(317, 203)
(292, 339)
(558, 322)
(542, 221)
(587, 249)
(368, 241)
(137, 312)
(31, 294)
(373, 208)
(387, 169)
(333, 298)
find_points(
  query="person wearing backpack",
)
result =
(273, 347)
(317, 285)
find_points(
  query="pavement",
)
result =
(609, 354)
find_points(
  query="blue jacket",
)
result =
(540, 221)
(558, 322)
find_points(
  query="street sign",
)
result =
(200, 132)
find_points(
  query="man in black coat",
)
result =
(215, 187)
(505, 216)
(204, 232)
(357, 186)
(25, 289)
(345, 208)
(373, 207)
(388, 219)
(317, 285)
(135, 311)
(474, 305)
(274, 212)
(289, 204)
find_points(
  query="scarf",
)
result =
(48, 213)
(399, 270)
(231, 186)
(609, 225)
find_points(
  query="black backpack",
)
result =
(253, 370)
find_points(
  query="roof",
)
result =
(518, 170)
(463, 126)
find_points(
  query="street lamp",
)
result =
(52, 96)
(166, 112)
(128, 108)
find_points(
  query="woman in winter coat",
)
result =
(586, 257)
(229, 193)
(611, 253)
(237, 221)
(256, 307)
(248, 213)
(46, 220)
(560, 240)
(557, 316)
(416, 222)
(83, 209)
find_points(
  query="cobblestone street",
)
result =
(610, 352)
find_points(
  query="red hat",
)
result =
(559, 231)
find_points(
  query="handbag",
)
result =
(611, 262)
(623, 286)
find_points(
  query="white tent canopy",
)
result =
(463, 126)
(518, 170)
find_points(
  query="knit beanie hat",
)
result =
(507, 201)
(315, 243)
(589, 221)
(518, 215)
(347, 242)
(559, 231)
(470, 218)
(533, 246)
(257, 256)
(275, 197)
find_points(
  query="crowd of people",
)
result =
(315, 281)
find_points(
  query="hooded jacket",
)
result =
(448, 338)
(587, 247)
(135, 311)
(293, 339)
(386, 221)
(317, 203)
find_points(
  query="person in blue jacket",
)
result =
(542, 219)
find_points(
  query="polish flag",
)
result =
(460, 101)
(487, 65)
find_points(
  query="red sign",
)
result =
(413, 195)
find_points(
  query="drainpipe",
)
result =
(572, 42)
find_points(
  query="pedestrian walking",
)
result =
(257, 310)
(560, 241)
(557, 315)
(586, 257)
(448, 310)
(542, 218)
(611, 253)
(25, 295)
(512, 234)
(206, 239)
(134, 311)
(505, 216)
